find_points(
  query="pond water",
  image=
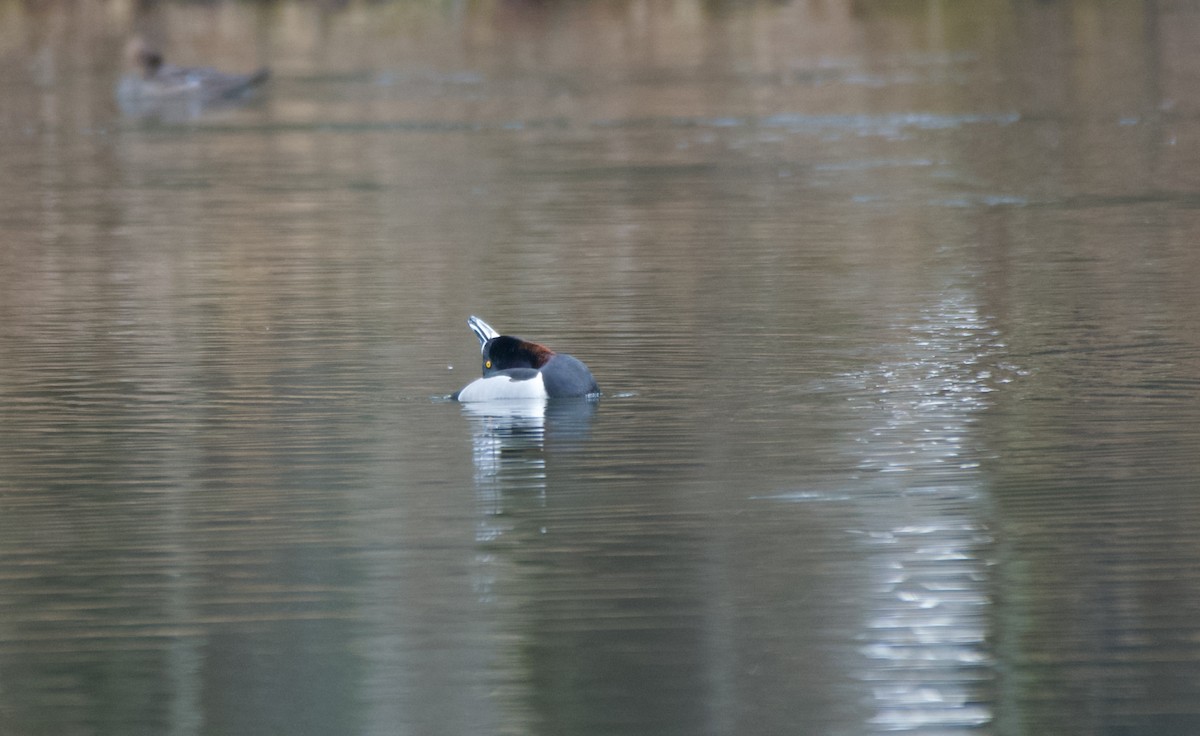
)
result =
(894, 307)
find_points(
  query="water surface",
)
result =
(894, 307)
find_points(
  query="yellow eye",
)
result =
(487, 364)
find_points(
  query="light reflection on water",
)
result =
(896, 308)
(929, 661)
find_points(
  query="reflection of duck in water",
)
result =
(155, 87)
(518, 369)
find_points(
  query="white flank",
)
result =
(503, 388)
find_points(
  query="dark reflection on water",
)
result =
(894, 304)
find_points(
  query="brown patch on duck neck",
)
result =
(540, 353)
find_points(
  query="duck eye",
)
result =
(488, 364)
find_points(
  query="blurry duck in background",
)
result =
(154, 88)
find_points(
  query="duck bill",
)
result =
(482, 330)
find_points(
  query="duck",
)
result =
(155, 84)
(517, 369)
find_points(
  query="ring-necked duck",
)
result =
(518, 369)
